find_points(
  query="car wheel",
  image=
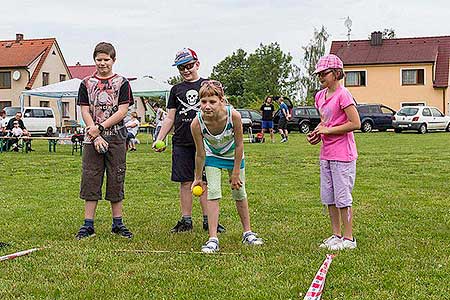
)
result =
(423, 129)
(397, 130)
(304, 127)
(448, 127)
(366, 126)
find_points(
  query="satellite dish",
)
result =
(16, 75)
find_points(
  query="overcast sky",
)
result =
(147, 33)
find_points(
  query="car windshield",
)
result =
(11, 111)
(408, 111)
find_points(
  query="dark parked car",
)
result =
(250, 118)
(304, 119)
(375, 116)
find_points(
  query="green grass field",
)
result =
(401, 222)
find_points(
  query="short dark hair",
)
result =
(339, 73)
(105, 48)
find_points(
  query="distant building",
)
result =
(81, 72)
(32, 63)
(397, 72)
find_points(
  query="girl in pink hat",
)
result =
(339, 118)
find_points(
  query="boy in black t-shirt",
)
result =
(182, 107)
(104, 99)
(267, 110)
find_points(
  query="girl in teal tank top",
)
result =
(218, 136)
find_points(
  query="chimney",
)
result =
(376, 38)
(19, 37)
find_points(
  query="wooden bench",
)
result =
(52, 141)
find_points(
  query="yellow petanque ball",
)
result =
(160, 144)
(197, 190)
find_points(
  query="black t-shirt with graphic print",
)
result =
(267, 111)
(103, 96)
(184, 98)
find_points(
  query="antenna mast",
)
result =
(348, 23)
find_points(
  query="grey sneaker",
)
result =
(251, 238)
(331, 241)
(211, 246)
(85, 232)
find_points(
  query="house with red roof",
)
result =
(82, 71)
(397, 72)
(30, 63)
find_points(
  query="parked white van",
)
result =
(37, 120)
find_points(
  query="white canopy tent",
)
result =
(149, 87)
(59, 90)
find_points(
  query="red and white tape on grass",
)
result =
(17, 254)
(316, 288)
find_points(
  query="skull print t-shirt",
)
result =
(184, 98)
(103, 96)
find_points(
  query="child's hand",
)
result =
(235, 181)
(196, 182)
(313, 137)
(160, 149)
(320, 129)
(101, 146)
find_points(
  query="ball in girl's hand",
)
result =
(160, 145)
(313, 138)
(197, 190)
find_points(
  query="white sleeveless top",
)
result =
(219, 148)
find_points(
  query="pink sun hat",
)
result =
(329, 61)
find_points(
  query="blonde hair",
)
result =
(134, 114)
(210, 88)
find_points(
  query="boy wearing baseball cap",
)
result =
(182, 107)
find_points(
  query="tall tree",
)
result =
(313, 51)
(231, 73)
(268, 72)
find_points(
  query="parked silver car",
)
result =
(420, 118)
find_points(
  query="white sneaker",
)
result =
(211, 246)
(344, 244)
(332, 240)
(251, 238)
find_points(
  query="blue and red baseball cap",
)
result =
(183, 56)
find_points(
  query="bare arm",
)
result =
(353, 123)
(199, 151)
(238, 150)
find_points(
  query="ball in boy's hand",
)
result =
(197, 190)
(313, 138)
(160, 145)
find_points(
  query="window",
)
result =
(386, 111)
(299, 112)
(62, 77)
(313, 112)
(4, 104)
(255, 116)
(44, 103)
(48, 113)
(65, 110)
(413, 77)
(436, 112)
(355, 78)
(244, 114)
(426, 112)
(5, 80)
(45, 78)
(374, 109)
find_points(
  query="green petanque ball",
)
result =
(160, 144)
